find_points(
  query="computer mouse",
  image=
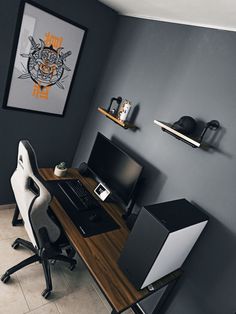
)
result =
(94, 217)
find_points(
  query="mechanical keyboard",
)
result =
(85, 211)
(79, 196)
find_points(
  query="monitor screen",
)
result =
(115, 168)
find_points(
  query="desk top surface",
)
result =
(101, 252)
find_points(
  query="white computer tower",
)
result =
(161, 239)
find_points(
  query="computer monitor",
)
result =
(114, 167)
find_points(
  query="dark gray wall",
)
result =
(54, 138)
(167, 71)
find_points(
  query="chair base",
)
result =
(37, 257)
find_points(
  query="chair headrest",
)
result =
(26, 158)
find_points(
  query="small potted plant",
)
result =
(60, 169)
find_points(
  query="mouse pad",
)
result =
(90, 221)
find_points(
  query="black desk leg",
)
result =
(162, 303)
(160, 308)
(15, 220)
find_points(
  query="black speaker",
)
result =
(83, 168)
(161, 239)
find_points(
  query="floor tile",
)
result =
(9, 256)
(32, 282)
(129, 311)
(83, 300)
(101, 295)
(6, 229)
(6, 215)
(12, 300)
(8, 206)
(49, 308)
(78, 277)
(104, 300)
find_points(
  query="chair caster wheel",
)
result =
(15, 245)
(70, 252)
(46, 293)
(5, 278)
(72, 266)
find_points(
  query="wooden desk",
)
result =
(100, 253)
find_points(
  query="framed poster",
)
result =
(45, 56)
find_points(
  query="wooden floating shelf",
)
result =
(123, 124)
(167, 128)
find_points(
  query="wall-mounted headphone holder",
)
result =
(184, 130)
(118, 100)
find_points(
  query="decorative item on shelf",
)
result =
(60, 170)
(184, 130)
(185, 125)
(124, 110)
(111, 110)
(123, 124)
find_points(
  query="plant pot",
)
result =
(60, 172)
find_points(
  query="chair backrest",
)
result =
(32, 197)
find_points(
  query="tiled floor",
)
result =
(73, 292)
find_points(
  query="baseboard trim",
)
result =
(7, 206)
